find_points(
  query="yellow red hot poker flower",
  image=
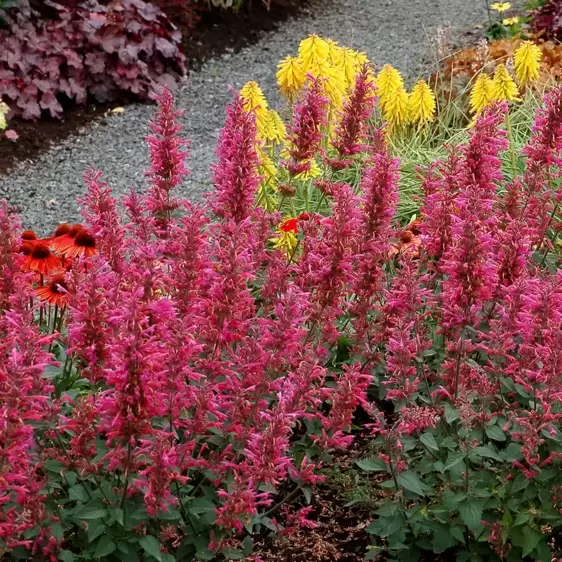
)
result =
(481, 95)
(504, 87)
(527, 59)
(422, 103)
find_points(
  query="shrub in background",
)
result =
(106, 51)
(182, 12)
(547, 19)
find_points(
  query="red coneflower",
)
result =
(64, 236)
(41, 260)
(409, 241)
(26, 247)
(84, 244)
(55, 292)
(290, 225)
(28, 235)
(62, 229)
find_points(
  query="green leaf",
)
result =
(442, 540)
(512, 452)
(458, 533)
(57, 531)
(125, 548)
(54, 466)
(248, 545)
(373, 553)
(531, 540)
(66, 556)
(470, 513)
(51, 372)
(151, 546)
(495, 433)
(542, 552)
(201, 505)
(410, 481)
(307, 495)
(452, 500)
(451, 414)
(387, 510)
(372, 464)
(386, 526)
(95, 529)
(233, 553)
(453, 460)
(170, 515)
(486, 452)
(204, 554)
(71, 477)
(429, 441)
(117, 514)
(91, 513)
(78, 493)
(104, 547)
(522, 518)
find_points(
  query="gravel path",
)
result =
(389, 31)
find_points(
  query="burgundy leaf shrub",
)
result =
(169, 379)
(547, 19)
(186, 12)
(107, 51)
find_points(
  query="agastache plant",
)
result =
(172, 383)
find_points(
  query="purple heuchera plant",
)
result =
(106, 51)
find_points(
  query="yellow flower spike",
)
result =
(334, 85)
(501, 7)
(481, 95)
(3, 112)
(290, 76)
(349, 67)
(254, 100)
(313, 53)
(422, 103)
(335, 52)
(362, 59)
(504, 87)
(511, 21)
(286, 242)
(277, 127)
(527, 59)
(253, 96)
(388, 82)
(266, 198)
(267, 168)
(397, 108)
(314, 172)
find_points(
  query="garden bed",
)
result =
(217, 31)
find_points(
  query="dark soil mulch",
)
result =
(216, 32)
(340, 533)
(221, 30)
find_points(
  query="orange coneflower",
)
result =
(55, 292)
(64, 236)
(409, 241)
(290, 225)
(28, 235)
(41, 260)
(62, 229)
(26, 247)
(83, 244)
